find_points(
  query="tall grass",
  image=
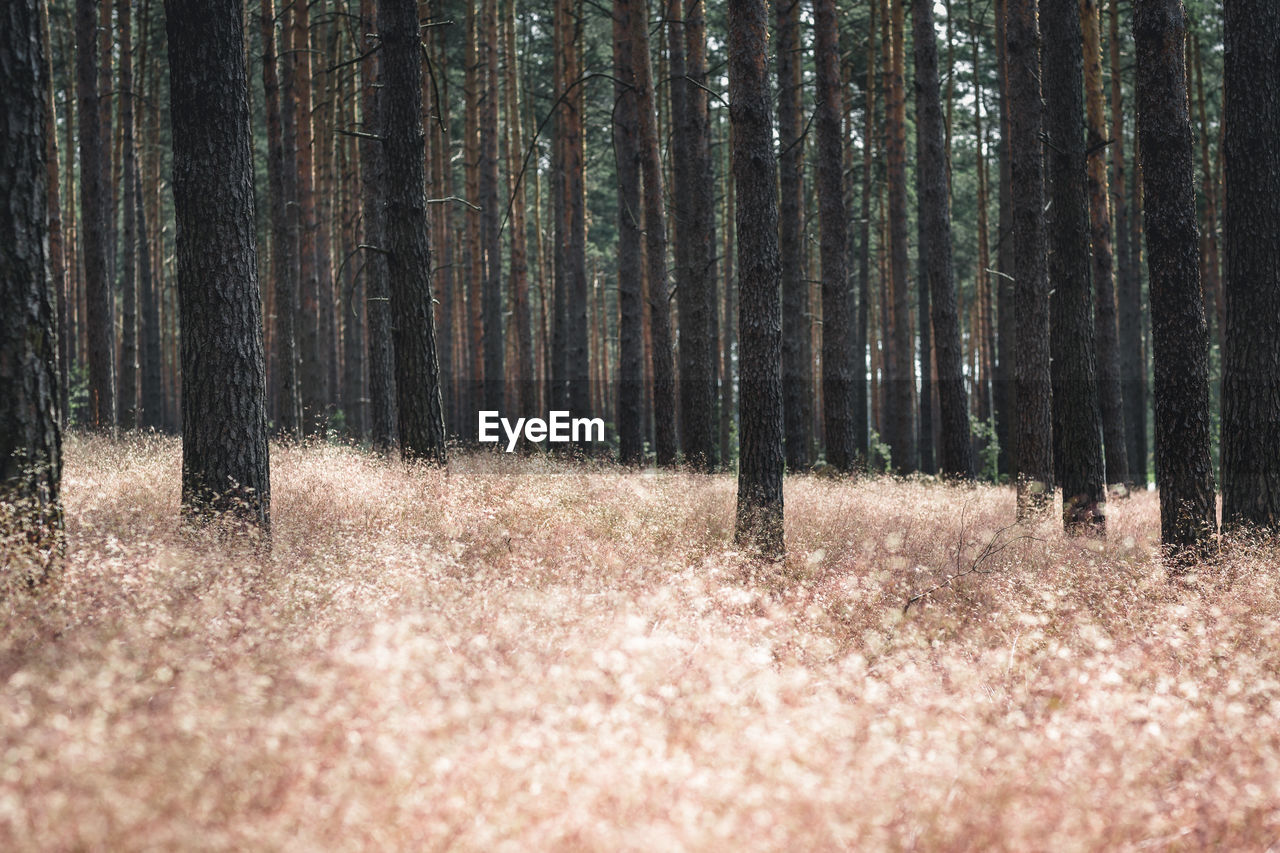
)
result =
(520, 654)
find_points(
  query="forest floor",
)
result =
(527, 654)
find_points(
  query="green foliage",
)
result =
(879, 457)
(984, 433)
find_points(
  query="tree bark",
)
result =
(656, 248)
(224, 413)
(1077, 422)
(493, 337)
(100, 313)
(955, 457)
(860, 399)
(1106, 331)
(421, 416)
(1180, 337)
(900, 397)
(1003, 400)
(626, 151)
(760, 465)
(522, 313)
(1251, 369)
(694, 212)
(1032, 385)
(797, 356)
(30, 436)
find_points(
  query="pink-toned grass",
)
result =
(523, 654)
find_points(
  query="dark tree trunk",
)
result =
(421, 418)
(284, 260)
(382, 391)
(630, 263)
(1179, 335)
(150, 358)
(760, 463)
(127, 399)
(1005, 403)
(527, 402)
(100, 306)
(494, 340)
(30, 436)
(694, 209)
(839, 368)
(1077, 422)
(313, 375)
(576, 285)
(1032, 385)
(58, 273)
(224, 411)
(900, 397)
(797, 352)
(1104, 317)
(1128, 283)
(1251, 370)
(955, 457)
(664, 392)
(860, 401)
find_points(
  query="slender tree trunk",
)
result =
(521, 311)
(1212, 280)
(58, 277)
(1128, 282)
(150, 361)
(630, 261)
(576, 285)
(30, 435)
(1003, 399)
(838, 358)
(224, 410)
(127, 399)
(100, 305)
(955, 451)
(1032, 386)
(728, 406)
(382, 392)
(312, 375)
(284, 262)
(860, 400)
(901, 378)
(761, 464)
(355, 392)
(656, 249)
(797, 358)
(1251, 370)
(1105, 328)
(494, 339)
(1180, 337)
(421, 417)
(693, 210)
(1077, 421)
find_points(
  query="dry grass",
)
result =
(517, 655)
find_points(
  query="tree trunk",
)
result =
(1032, 386)
(694, 211)
(630, 263)
(656, 248)
(381, 351)
(421, 417)
(797, 377)
(838, 357)
(58, 277)
(151, 359)
(900, 397)
(284, 262)
(1180, 337)
(522, 313)
(1251, 369)
(728, 407)
(94, 195)
(493, 340)
(30, 436)
(1077, 422)
(1105, 329)
(1003, 400)
(955, 458)
(224, 412)
(860, 400)
(760, 465)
